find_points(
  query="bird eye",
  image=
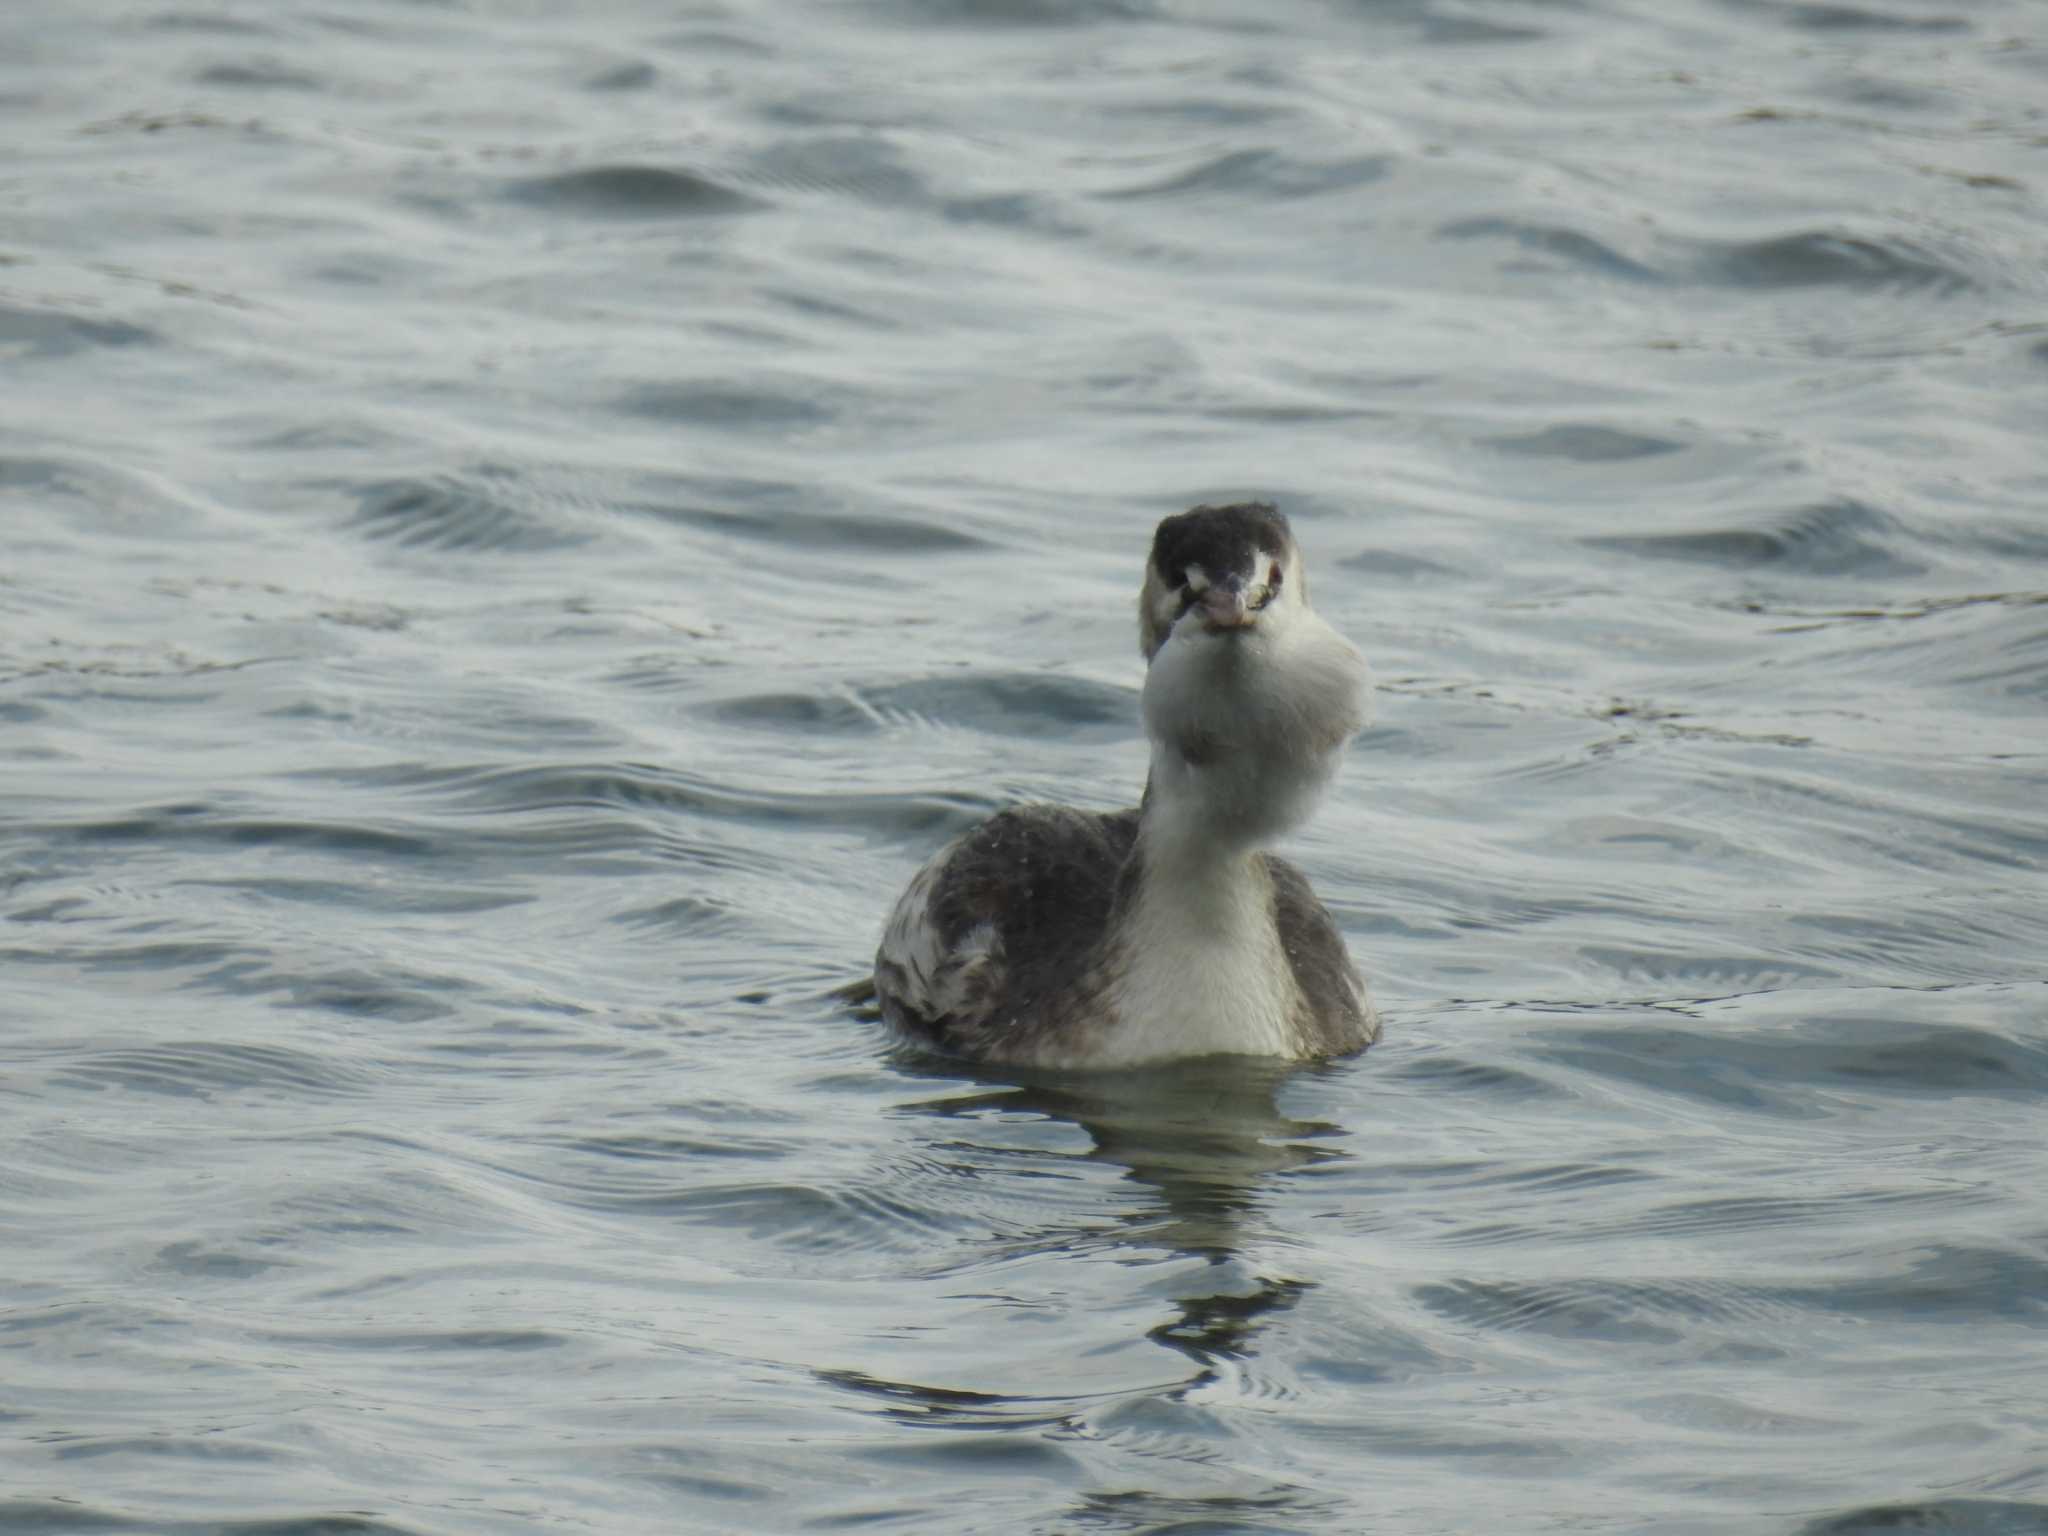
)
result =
(1268, 590)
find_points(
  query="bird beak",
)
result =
(1228, 606)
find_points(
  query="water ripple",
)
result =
(998, 703)
(525, 525)
(458, 513)
(630, 192)
(1824, 258)
(1936, 1517)
(1835, 539)
(48, 333)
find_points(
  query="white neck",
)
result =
(1247, 731)
(1245, 735)
(1203, 970)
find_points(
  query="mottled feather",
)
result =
(1067, 938)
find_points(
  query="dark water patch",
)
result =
(953, 1407)
(979, 1459)
(2009, 840)
(1935, 1517)
(258, 75)
(1718, 1215)
(1023, 704)
(704, 1485)
(1401, 564)
(406, 900)
(201, 1069)
(1605, 1311)
(97, 680)
(698, 38)
(815, 306)
(1838, 538)
(65, 1517)
(1435, 24)
(1786, 1071)
(196, 1260)
(216, 1447)
(168, 956)
(1586, 443)
(1910, 941)
(996, 14)
(1212, 111)
(1448, 1072)
(1922, 1059)
(865, 168)
(1802, 617)
(94, 1319)
(797, 528)
(729, 406)
(1697, 975)
(169, 122)
(1818, 16)
(387, 994)
(1211, 1329)
(802, 714)
(377, 617)
(204, 22)
(1258, 174)
(811, 511)
(789, 1217)
(675, 1151)
(64, 909)
(1823, 258)
(1954, 1284)
(1451, 29)
(189, 824)
(33, 474)
(1295, 413)
(1572, 247)
(1552, 1178)
(631, 192)
(1287, 1512)
(500, 790)
(633, 75)
(46, 333)
(576, 845)
(1892, 99)
(1025, 212)
(483, 511)
(429, 1341)
(346, 1524)
(1439, 1441)
(682, 915)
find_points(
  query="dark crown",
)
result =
(1218, 539)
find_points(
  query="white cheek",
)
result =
(1175, 702)
(1283, 613)
(1166, 610)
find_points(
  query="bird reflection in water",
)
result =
(1203, 1145)
(1206, 1137)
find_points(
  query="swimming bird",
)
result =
(1055, 937)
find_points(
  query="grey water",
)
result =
(522, 525)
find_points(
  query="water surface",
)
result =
(525, 524)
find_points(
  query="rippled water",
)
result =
(524, 524)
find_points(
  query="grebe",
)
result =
(1061, 938)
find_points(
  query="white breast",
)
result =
(1203, 973)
